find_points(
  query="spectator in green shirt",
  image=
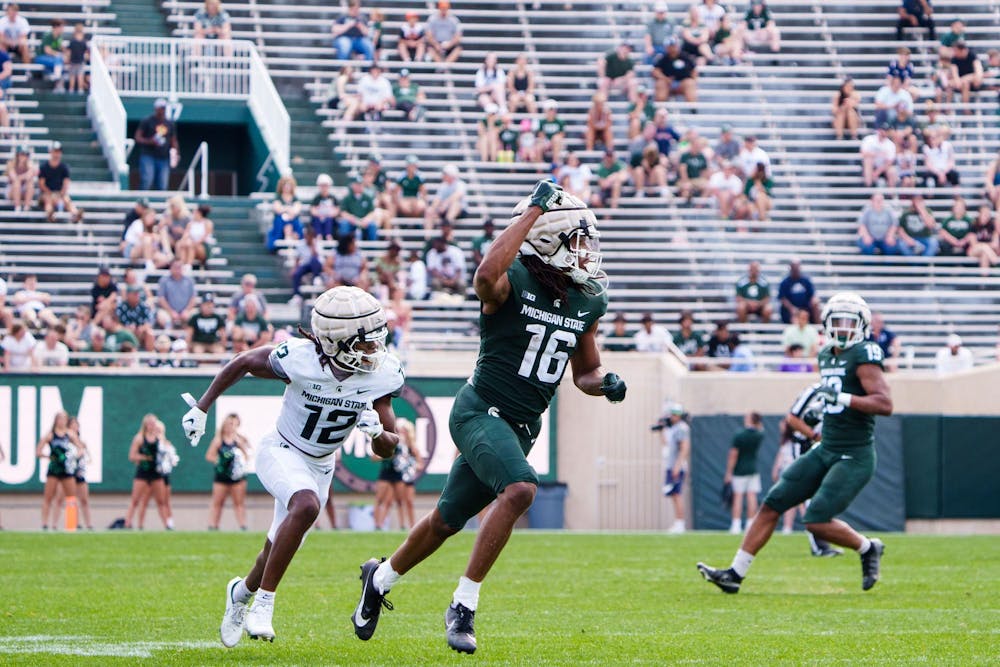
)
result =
(357, 210)
(507, 139)
(640, 112)
(693, 169)
(918, 229)
(759, 28)
(410, 191)
(753, 295)
(616, 69)
(481, 244)
(692, 343)
(611, 175)
(50, 52)
(741, 469)
(551, 132)
(758, 192)
(955, 33)
(409, 98)
(251, 326)
(956, 230)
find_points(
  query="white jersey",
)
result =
(318, 411)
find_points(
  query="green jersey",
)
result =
(406, 94)
(913, 224)
(845, 428)
(690, 345)
(958, 227)
(755, 290)
(410, 185)
(61, 456)
(508, 138)
(51, 41)
(696, 164)
(550, 127)
(603, 170)
(746, 443)
(525, 345)
(359, 206)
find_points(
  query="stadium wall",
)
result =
(944, 436)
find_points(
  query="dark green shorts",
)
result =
(492, 456)
(831, 479)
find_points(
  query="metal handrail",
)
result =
(199, 161)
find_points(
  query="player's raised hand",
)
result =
(546, 195)
(193, 422)
(369, 422)
(613, 388)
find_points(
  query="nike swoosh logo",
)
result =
(582, 313)
(189, 420)
(360, 620)
(362, 391)
(845, 456)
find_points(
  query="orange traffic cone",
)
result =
(70, 514)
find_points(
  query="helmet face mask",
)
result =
(351, 327)
(363, 352)
(846, 320)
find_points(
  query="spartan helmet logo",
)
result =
(567, 239)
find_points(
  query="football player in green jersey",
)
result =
(542, 293)
(833, 473)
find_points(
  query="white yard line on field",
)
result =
(91, 646)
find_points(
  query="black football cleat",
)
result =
(871, 564)
(458, 623)
(365, 616)
(726, 579)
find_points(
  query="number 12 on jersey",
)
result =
(553, 359)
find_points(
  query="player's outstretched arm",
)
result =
(490, 281)
(253, 361)
(589, 375)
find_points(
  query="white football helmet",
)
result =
(347, 321)
(566, 238)
(846, 319)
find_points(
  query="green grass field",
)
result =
(107, 599)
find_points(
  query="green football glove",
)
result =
(546, 195)
(613, 388)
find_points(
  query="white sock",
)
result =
(265, 597)
(679, 524)
(467, 593)
(735, 524)
(741, 562)
(170, 523)
(385, 577)
(241, 593)
(866, 544)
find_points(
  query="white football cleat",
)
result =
(231, 630)
(258, 620)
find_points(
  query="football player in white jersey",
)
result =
(339, 377)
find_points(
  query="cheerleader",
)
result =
(82, 490)
(148, 481)
(229, 452)
(63, 451)
(408, 461)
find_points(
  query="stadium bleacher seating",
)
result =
(662, 257)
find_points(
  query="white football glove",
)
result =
(193, 422)
(370, 423)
